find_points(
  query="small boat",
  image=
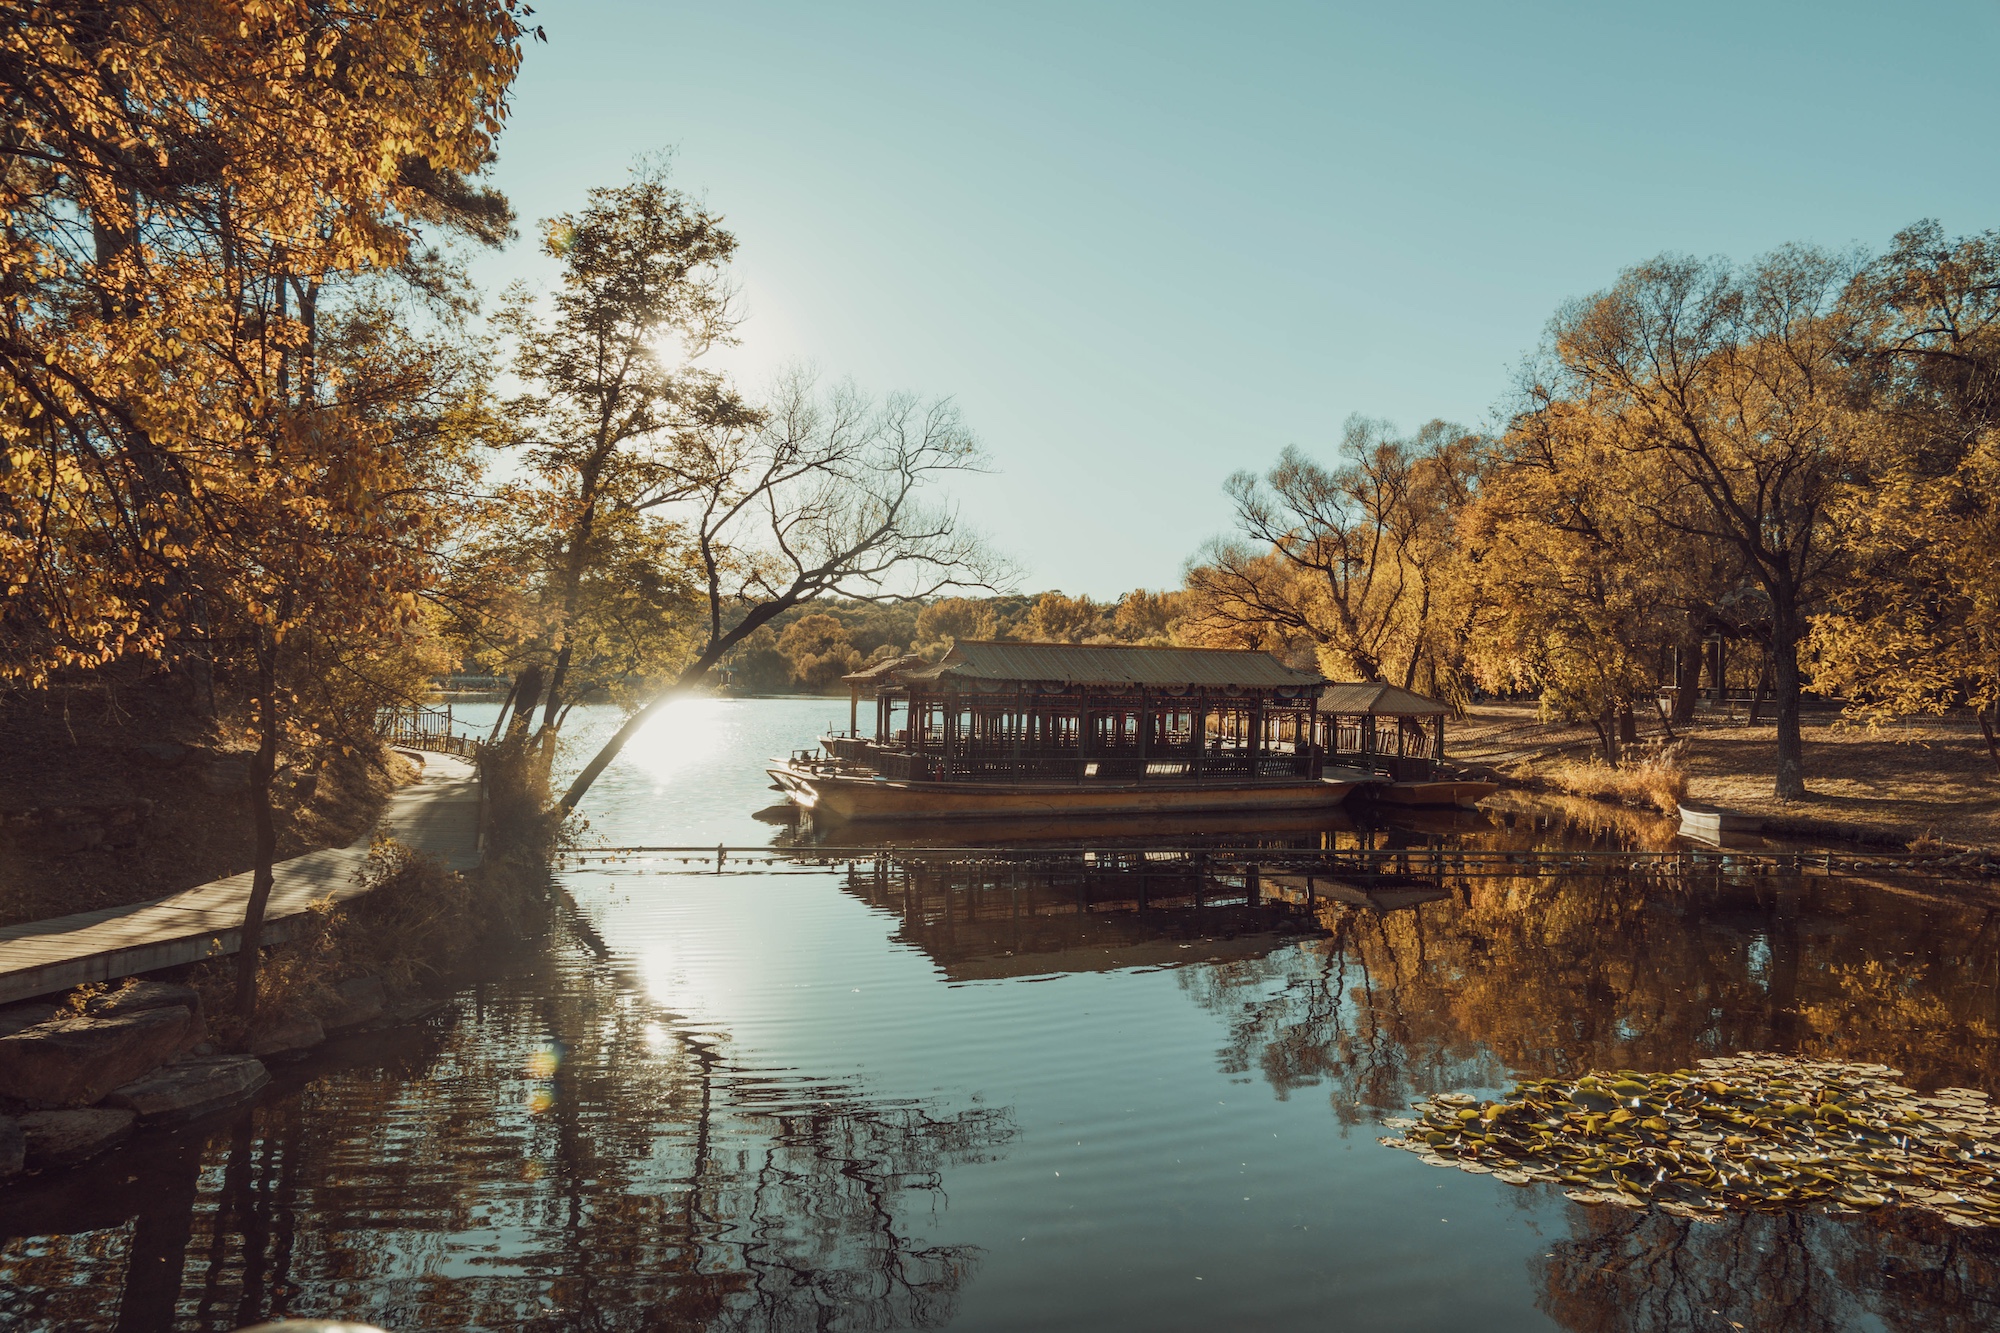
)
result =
(1710, 822)
(1045, 731)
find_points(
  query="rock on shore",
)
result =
(191, 1086)
(64, 1138)
(76, 1061)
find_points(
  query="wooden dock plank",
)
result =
(437, 815)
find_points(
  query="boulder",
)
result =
(18, 1016)
(64, 1138)
(75, 1061)
(138, 995)
(13, 1147)
(358, 1000)
(284, 1032)
(191, 1086)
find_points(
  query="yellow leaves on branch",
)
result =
(187, 176)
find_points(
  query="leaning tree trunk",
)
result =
(262, 769)
(1786, 631)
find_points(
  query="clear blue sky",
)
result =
(1144, 245)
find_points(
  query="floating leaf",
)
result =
(1836, 1136)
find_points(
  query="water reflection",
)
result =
(660, 1185)
(1097, 912)
(744, 1101)
(1623, 1272)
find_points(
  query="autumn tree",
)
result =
(1915, 627)
(1353, 557)
(163, 161)
(612, 387)
(956, 618)
(1054, 617)
(819, 651)
(1145, 616)
(221, 440)
(1584, 585)
(1737, 383)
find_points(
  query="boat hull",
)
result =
(845, 796)
(1710, 822)
(1431, 793)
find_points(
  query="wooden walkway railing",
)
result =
(420, 727)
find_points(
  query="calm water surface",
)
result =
(887, 1093)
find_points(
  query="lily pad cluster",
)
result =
(1753, 1132)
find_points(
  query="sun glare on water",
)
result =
(685, 733)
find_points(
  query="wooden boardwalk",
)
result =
(437, 815)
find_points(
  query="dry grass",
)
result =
(1897, 783)
(1893, 783)
(1656, 777)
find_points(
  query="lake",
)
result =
(893, 1092)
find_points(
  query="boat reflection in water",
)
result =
(817, 1128)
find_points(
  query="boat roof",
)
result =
(1115, 664)
(1378, 698)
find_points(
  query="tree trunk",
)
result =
(1786, 631)
(1757, 694)
(527, 693)
(1987, 716)
(1607, 737)
(1687, 681)
(717, 648)
(556, 681)
(261, 770)
(1628, 725)
(513, 692)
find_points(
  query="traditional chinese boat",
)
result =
(1013, 730)
(1399, 736)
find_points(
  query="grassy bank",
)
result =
(419, 923)
(93, 820)
(1892, 784)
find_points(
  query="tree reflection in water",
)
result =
(573, 1156)
(574, 1159)
(1645, 1272)
(1538, 976)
